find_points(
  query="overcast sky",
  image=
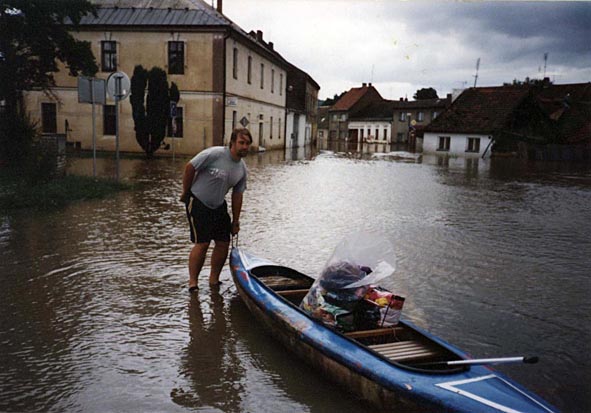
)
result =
(404, 46)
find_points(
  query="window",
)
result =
(272, 80)
(262, 75)
(176, 58)
(281, 84)
(109, 120)
(334, 118)
(361, 133)
(443, 143)
(235, 64)
(402, 116)
(49, 118)
(279, 129)
(421, 116)
(260, 133)
(377, 133)
(368, 133)
(434, 115)
(343, 117)
(108, 56)
(249, 70)
(473, 145)
(271, 128)
(385, 134)
(234, 116)
(178, 123)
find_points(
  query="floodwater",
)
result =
(493, 256)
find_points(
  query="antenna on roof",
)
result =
(476, 76)
(545, 63)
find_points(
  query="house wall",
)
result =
(402, 126)
(296, 130)
(372, 126)
(212, 100)
(458, 144)
(263, 107)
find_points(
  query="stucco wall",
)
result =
(458, 144)
(372, 126)
(264, 108)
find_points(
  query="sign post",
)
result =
(118, 88)
(173, 124)
(92, 91)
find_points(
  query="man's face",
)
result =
(240, 147)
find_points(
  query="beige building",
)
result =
(226, 77)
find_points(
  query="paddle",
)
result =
(472, 362)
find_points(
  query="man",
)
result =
(207, 179)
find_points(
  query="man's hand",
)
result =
(235, 227)
(184, 197)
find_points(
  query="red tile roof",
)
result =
(351, 97)
(480, 110)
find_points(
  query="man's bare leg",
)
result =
(196, 260)
(218, 259)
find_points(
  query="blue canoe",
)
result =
(398, 368)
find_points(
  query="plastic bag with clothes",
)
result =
(358, 261)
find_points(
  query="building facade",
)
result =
(227, 78)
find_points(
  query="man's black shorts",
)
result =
(208, 224)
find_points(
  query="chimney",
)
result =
(271, 45)
(402, 99)
(369, 84)
(219, 7)
(259, 36)
(363, 84)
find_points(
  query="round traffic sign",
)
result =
(118, 86)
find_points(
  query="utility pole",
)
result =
(476, 76)
(545, 63)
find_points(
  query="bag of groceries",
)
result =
(360, 260)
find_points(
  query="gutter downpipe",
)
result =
(492, 139)
(226, 37)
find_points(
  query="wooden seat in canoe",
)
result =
(374, 333)
(286, 293)
(278, 282)
(404, 350)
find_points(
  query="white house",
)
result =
(469, 126)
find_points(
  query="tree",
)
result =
(330, 102)
(425, 93)
(528, 81)
(34, 36)
(151, 119)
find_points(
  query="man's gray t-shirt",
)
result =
(216, 173)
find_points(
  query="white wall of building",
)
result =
(458, 144)
(371, 127)
(295, 134)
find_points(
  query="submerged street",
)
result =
(492, 256)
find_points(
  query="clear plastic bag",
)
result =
(358, 260)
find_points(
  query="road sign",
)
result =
(118, 86)
(91, 90)
(244, 121)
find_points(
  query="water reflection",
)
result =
(210, 362)
(492, 255)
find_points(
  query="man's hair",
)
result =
(240, 131)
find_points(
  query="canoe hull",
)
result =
(368, 375)
(331, 369)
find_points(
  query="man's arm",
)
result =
(236, 209)
(188, 177)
